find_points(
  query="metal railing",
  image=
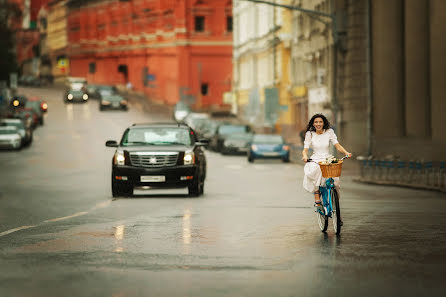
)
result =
(411, 173)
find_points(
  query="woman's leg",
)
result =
(317, 197)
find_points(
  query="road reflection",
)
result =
(186, 231)
(86, 111)
(69, 109)
(119, 236)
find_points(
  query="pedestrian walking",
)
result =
(318, 136)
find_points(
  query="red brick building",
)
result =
(168, 49)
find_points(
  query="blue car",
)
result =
(266, 146)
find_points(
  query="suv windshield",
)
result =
(156, 136)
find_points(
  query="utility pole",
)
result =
(319, 16)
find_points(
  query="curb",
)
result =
(401, 185)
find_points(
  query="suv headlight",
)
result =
(85, 97)
(189, 158)
(119, 158)
(70, 96)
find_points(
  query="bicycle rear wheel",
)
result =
(322, 221)
(336, 213)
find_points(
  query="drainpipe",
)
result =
(334, 101)
(369, 78)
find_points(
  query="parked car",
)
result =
(266, 146)
(76, 83)
(180, 111)
(91, 90)
(194, 119)
(103, 90)
(28, 113)
(236, 143)
(10, 138)
(223, 131)
(207, 129)
(25, 132)
(113, 102)
(29, 80)
(158, 156)
(35, 104)
(73, 95)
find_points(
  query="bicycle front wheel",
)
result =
(322, 220)
(336, 213)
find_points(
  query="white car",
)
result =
(10, 138)
(193, 119)
(25, 133)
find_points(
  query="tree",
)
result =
(9, 14)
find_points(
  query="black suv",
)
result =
(158, 156)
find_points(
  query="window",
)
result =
(92, 67)
(229, 24)
(204, 89)
(199, 24)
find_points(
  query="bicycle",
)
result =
(330, 202)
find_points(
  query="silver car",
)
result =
(25, 132)
(10, 138)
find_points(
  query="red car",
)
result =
(43, 104)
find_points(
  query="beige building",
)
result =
(261, 59)
(312, 61)
(57, 38)
(390, 80)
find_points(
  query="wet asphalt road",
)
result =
(253, 233)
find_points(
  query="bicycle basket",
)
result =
(331, 170)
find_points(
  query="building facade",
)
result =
(384, 79)
(57, 41)
(169, 49)
(311, 62)
(261, 58)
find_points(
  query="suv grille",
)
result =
(154, 159)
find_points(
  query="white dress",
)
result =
(321, 148)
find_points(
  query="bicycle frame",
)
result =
(325, 194)
(325, 197)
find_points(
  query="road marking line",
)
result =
(16, 229)
(78, 214)
(67, 217)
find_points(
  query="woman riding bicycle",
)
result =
(318, 136)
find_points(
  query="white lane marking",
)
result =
(260, 167)
(97, 206)
(16, 229)
(78, 214)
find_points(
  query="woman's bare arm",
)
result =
(305, 155)
(342, 150)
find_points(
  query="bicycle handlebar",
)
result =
(342, 159)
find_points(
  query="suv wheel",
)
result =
(196, 188)
(121, 191)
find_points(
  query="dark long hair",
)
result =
(310, 126)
